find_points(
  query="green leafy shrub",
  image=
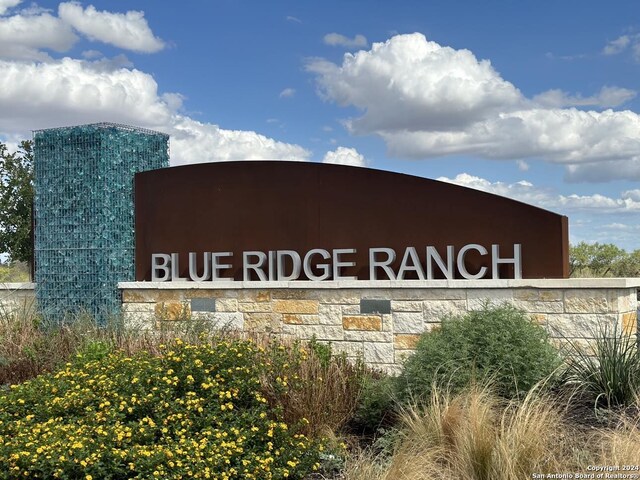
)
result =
(93, 350)
(377, 404)
(195, 411)
(322, 351)
(496, 343)
(609, 372)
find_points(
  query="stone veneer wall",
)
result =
(379, 321)
(17, 298)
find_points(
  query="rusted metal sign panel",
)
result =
(270, 206)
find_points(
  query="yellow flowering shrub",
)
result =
(196, 411)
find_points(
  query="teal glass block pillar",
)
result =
(84, 216)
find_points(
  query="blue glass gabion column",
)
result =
(83, 212)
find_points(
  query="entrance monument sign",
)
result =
(365, 259)
(266, 221)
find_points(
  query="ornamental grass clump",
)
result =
(305, 380)
(474, 435)
(619, 447)
(195, 411)
(29, 348)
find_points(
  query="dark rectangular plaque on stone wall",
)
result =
(375, 306)
(203, 304)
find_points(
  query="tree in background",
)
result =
(630, 265)
(603, 260)
(16, 201)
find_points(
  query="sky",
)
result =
(536, 101)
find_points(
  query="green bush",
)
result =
(93, 350)
(196, 411)
(322, 351)
(496, 343)
(609, 372)
(376, 405)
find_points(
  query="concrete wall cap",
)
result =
(563, 283)
(18, 286)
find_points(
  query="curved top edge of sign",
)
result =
(366, 171)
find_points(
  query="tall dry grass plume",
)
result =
(26, 349)
(533, 437)
(477, 436)
(325, 388)
(619, 446)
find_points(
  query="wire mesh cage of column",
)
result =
(84, 213)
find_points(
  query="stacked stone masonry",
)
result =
(17, 299)
(380, 322)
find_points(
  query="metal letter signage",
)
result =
(289, 221)
(263, 269)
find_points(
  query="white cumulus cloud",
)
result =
(338, 40)
(409, 83)
(7, 4)
(618, 45)
(632, 194)
(23, 36)
(605, 98)
(128, 30)
(28, 34)
(287, 93)
(39, 95)
(345, 156)
(196, 142)
(629, 202)
(622, 44)
(38, 91)
(426, 100)
(72, 91)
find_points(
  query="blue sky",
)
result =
(532, 100)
